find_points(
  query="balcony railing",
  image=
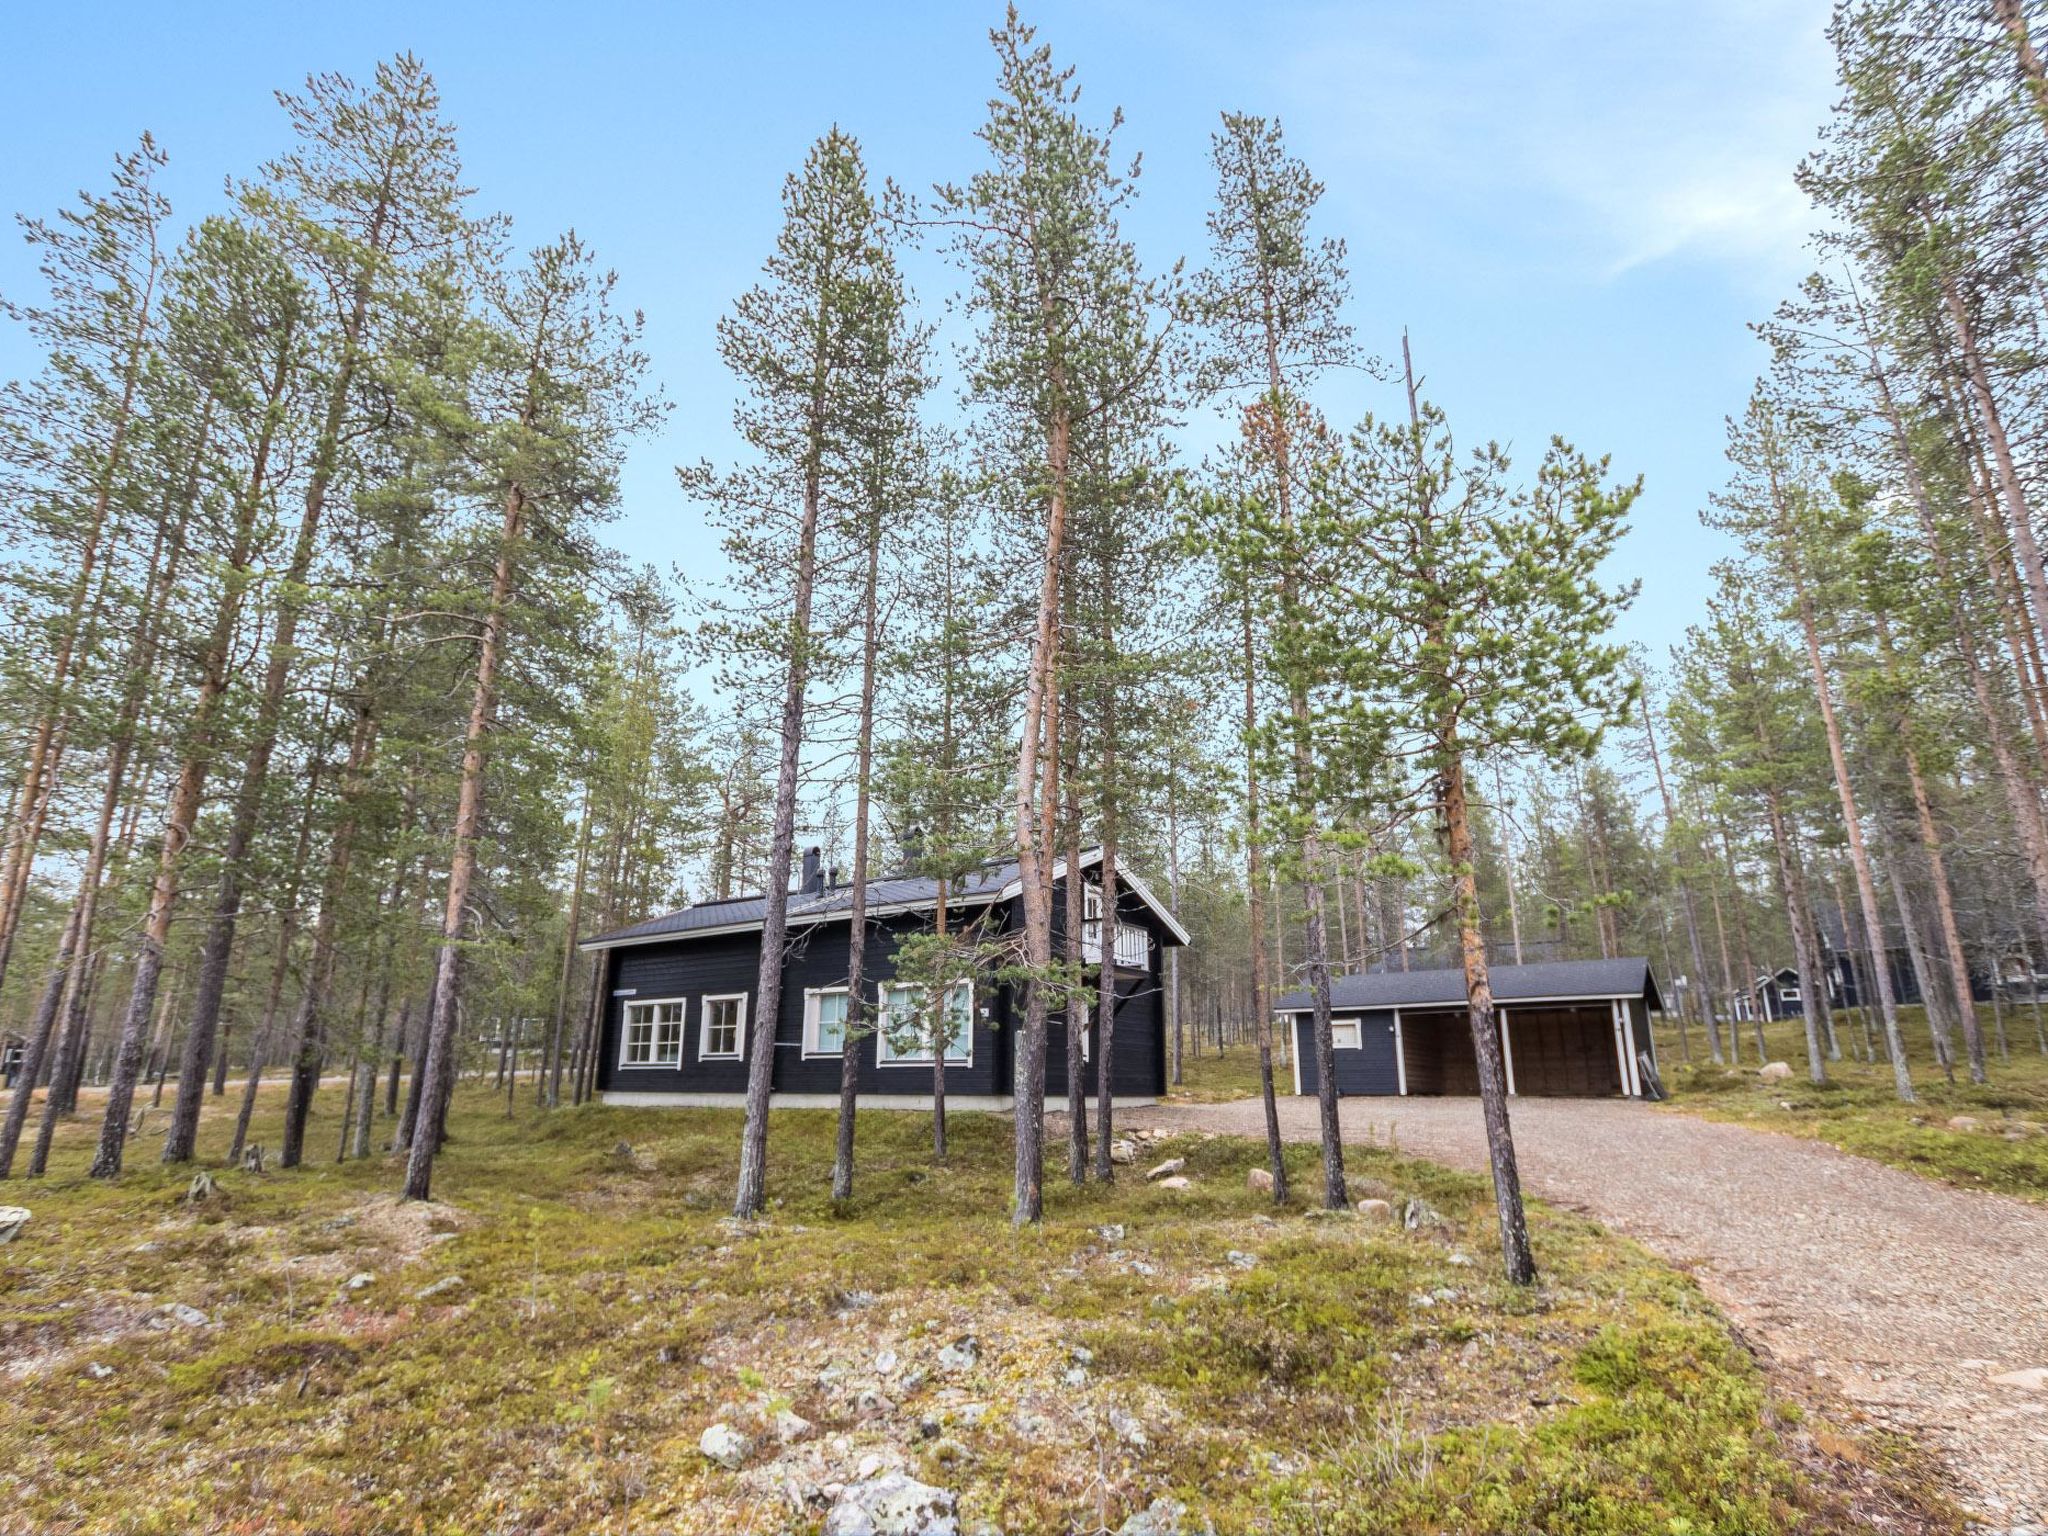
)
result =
(1133, 946)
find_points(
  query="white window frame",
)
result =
(652, 1064)
(812, 1048)
(704, 1051)
(1354, 1026)
(885, 1053)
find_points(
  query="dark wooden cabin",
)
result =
(1568, 1028)
(678, 993)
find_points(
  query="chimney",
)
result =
(814, 878)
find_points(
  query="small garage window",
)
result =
(1345, 1035)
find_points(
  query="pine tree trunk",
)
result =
(1516, 1253)
(39, 769)
(751, 1194)
(1105, 986)
(1852, 824)
(857, 924)
(1040, 692)
(1073, 941)
(1255, 892)
(190, 786)
(439, 1069)
(1687, 903)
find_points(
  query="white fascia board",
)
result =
(1125, 877)
(796, 920)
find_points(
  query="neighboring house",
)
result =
(1778, 994)
(1567, 1027)
(678, 996)
(12, 1051)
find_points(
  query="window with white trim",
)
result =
(723, 1036)
(903, 1037)
(1347, 1034)
(653, 1034)
(825, 1014)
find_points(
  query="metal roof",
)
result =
(1552, 980)
(994, 882)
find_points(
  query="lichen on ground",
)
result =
(545, 1351)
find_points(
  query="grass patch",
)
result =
(1277, 1371)
(1991, 1136)
(1217, 1077)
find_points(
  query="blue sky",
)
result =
(1575, 207)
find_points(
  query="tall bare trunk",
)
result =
(442, 1015)
(1255, 890)
(39, 768)
(1701, 987)
(1516, 1253)
(1034, 875)
(189, 789)
(752, 1192)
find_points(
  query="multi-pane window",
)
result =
(725, 1027)
(654, 1034)
(906, 1026)
(825, 1021)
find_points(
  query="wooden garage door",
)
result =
(1564, 1051)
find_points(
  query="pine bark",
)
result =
(190, 786)
(442, 1022)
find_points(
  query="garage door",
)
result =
(1565, 1051)
(1560, 1051)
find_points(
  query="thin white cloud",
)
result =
(1614, 135)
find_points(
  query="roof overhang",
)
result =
(1125, 877)
(796, 920)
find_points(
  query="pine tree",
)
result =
(795, 342)
(1498, 626)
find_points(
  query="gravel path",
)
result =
(1904, 1295)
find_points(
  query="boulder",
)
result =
(201, 1187)
(357, 1282)
(960, 1355)
(1376, 1210)
(2034, 1378)
(1176, 1182)
(791, 1427)
(1127, 1428)
(1963, 1122)
(1774, 1071)
(1242, 1260)
(1162, 1517)
(441, 1287)
(1122, 1152)
(892, 1504)
(1113, 1233)
(1171, 1166)
(12, 1219)
(726, 1446)
(1418, 1212)
(190, 1317)
(1260, 1182)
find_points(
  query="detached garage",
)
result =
(1568, 1029)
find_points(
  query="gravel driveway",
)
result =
(1905, 1295)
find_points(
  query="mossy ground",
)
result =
(1277, 1371)
(1216, 1077)
(1859, 1109)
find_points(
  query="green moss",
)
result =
(608, 1313)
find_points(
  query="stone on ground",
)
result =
(1774, 1071)
(1171, 1166)
(1176, 1182)
(892, 1504)
(1376, 1210)
(1123, 1153)
(1260, 1182)
(2034, 1377)
(12, 1219)
(725, 1445)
